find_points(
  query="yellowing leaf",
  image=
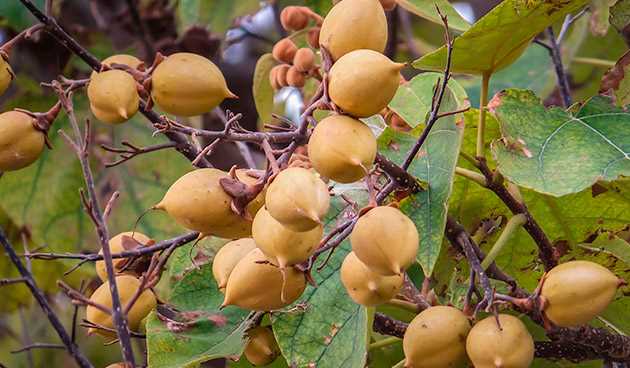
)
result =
(427, 9)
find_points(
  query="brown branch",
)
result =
(30, 347)
(132, 151)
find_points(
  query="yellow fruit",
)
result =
(262, 286)
(127, 288)
(113, 96)
(227, 257)
(298, 199)
(385, 240)
(342, 148)
(6, 75)
(363, 82)
(283, 246)
(187, 84)
(352, 25)
(259, 201)
(576, 292)
(304, 60)
(128, 60)
(198, 202)
(120, 243)
(239, 228)
(261, 348)
(510, 346)
(436, 338)
(366, 287)
(20, 143)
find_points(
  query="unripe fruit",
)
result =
(312, 37)
(262, 286)
(576, 292)
(127, 288)
(342, 148)
(295, 78)
(117, 245)
(6, 75)
(113, 96)
(304, 59)
(283, 246)
(284, 50)
(363, 82)
(436, 338)
(388, 4)
(227, 257)
(124, 59)
(188, 84)
(298, 199)
(20, 143)
(385, 240)
(198, 202)
(261, 348)
(294, 18)
(366, 287)
(352, 25)
(510, 346)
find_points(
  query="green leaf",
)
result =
(434, 164)
(615, 80)
(218, 15)
(262, 90)
(427, 9)
(553, 152)
(600, 13)
(500, 37)
(620, 15)
(13, 14)
(329, 330)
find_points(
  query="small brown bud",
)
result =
(273, 78)
(294, 18)
(313, 37)
(295, 78)
(278, 76)
(388, 5)
(284, 51)
(304, 59)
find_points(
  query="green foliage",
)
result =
(14, 15)
(216, 14)
(427, 9)
(262, 90)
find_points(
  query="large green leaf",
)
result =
(261, 88)
(434, 164)
(554, 152)
(330, 331)
(15, 15)
(218, 15)
(427, 9)
(499, 38)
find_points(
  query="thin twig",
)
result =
(29, 347)
(132, 151)
(556, 57)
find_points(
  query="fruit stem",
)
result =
(384, 342)
(471, 175)
(510, 228)
(483, 101)
(594, 61)
(370, 322)
(400, 364)
(402, 304)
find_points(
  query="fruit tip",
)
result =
(160, 206)
(230, 94)
(123, 113)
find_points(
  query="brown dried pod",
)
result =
(294, 18)
(312, 37)
(295, 78)
(304, 59)
(284, 51)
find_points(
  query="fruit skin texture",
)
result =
(295, 78)
(127, 287)
(6, 75)
(304, 59)
(261, 286)
(436, 338)
(198, 202)
(490, 347)
(363, 82)
(342, 148)
(188, 84)
(125, 59)
(294, 18)
(261, 348)
(283, 246)
(113, 96)
(352, 25)
(284, 50)
(366, 287)
(577, 291)
(298, 199)
(20, 143)
(385, 240)
(116, 246)
(227, 257)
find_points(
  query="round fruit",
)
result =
(188, 84)
(256, 284)
(436, 338)
(385, 240)
(294, 18)
(198, 202)
(335, 156)
(304, 60)
(283, 246)
(6, 75)
(124, 59)
(120, 243)
(284, 50)
(363, 82)
(295, 78)
(261, 348)
(510, 346)
(298, 199)
(352, 25)
(127, 288)
(20, 143)
(366, 287)
(113, 96)
(576, 292)
(227, 257)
